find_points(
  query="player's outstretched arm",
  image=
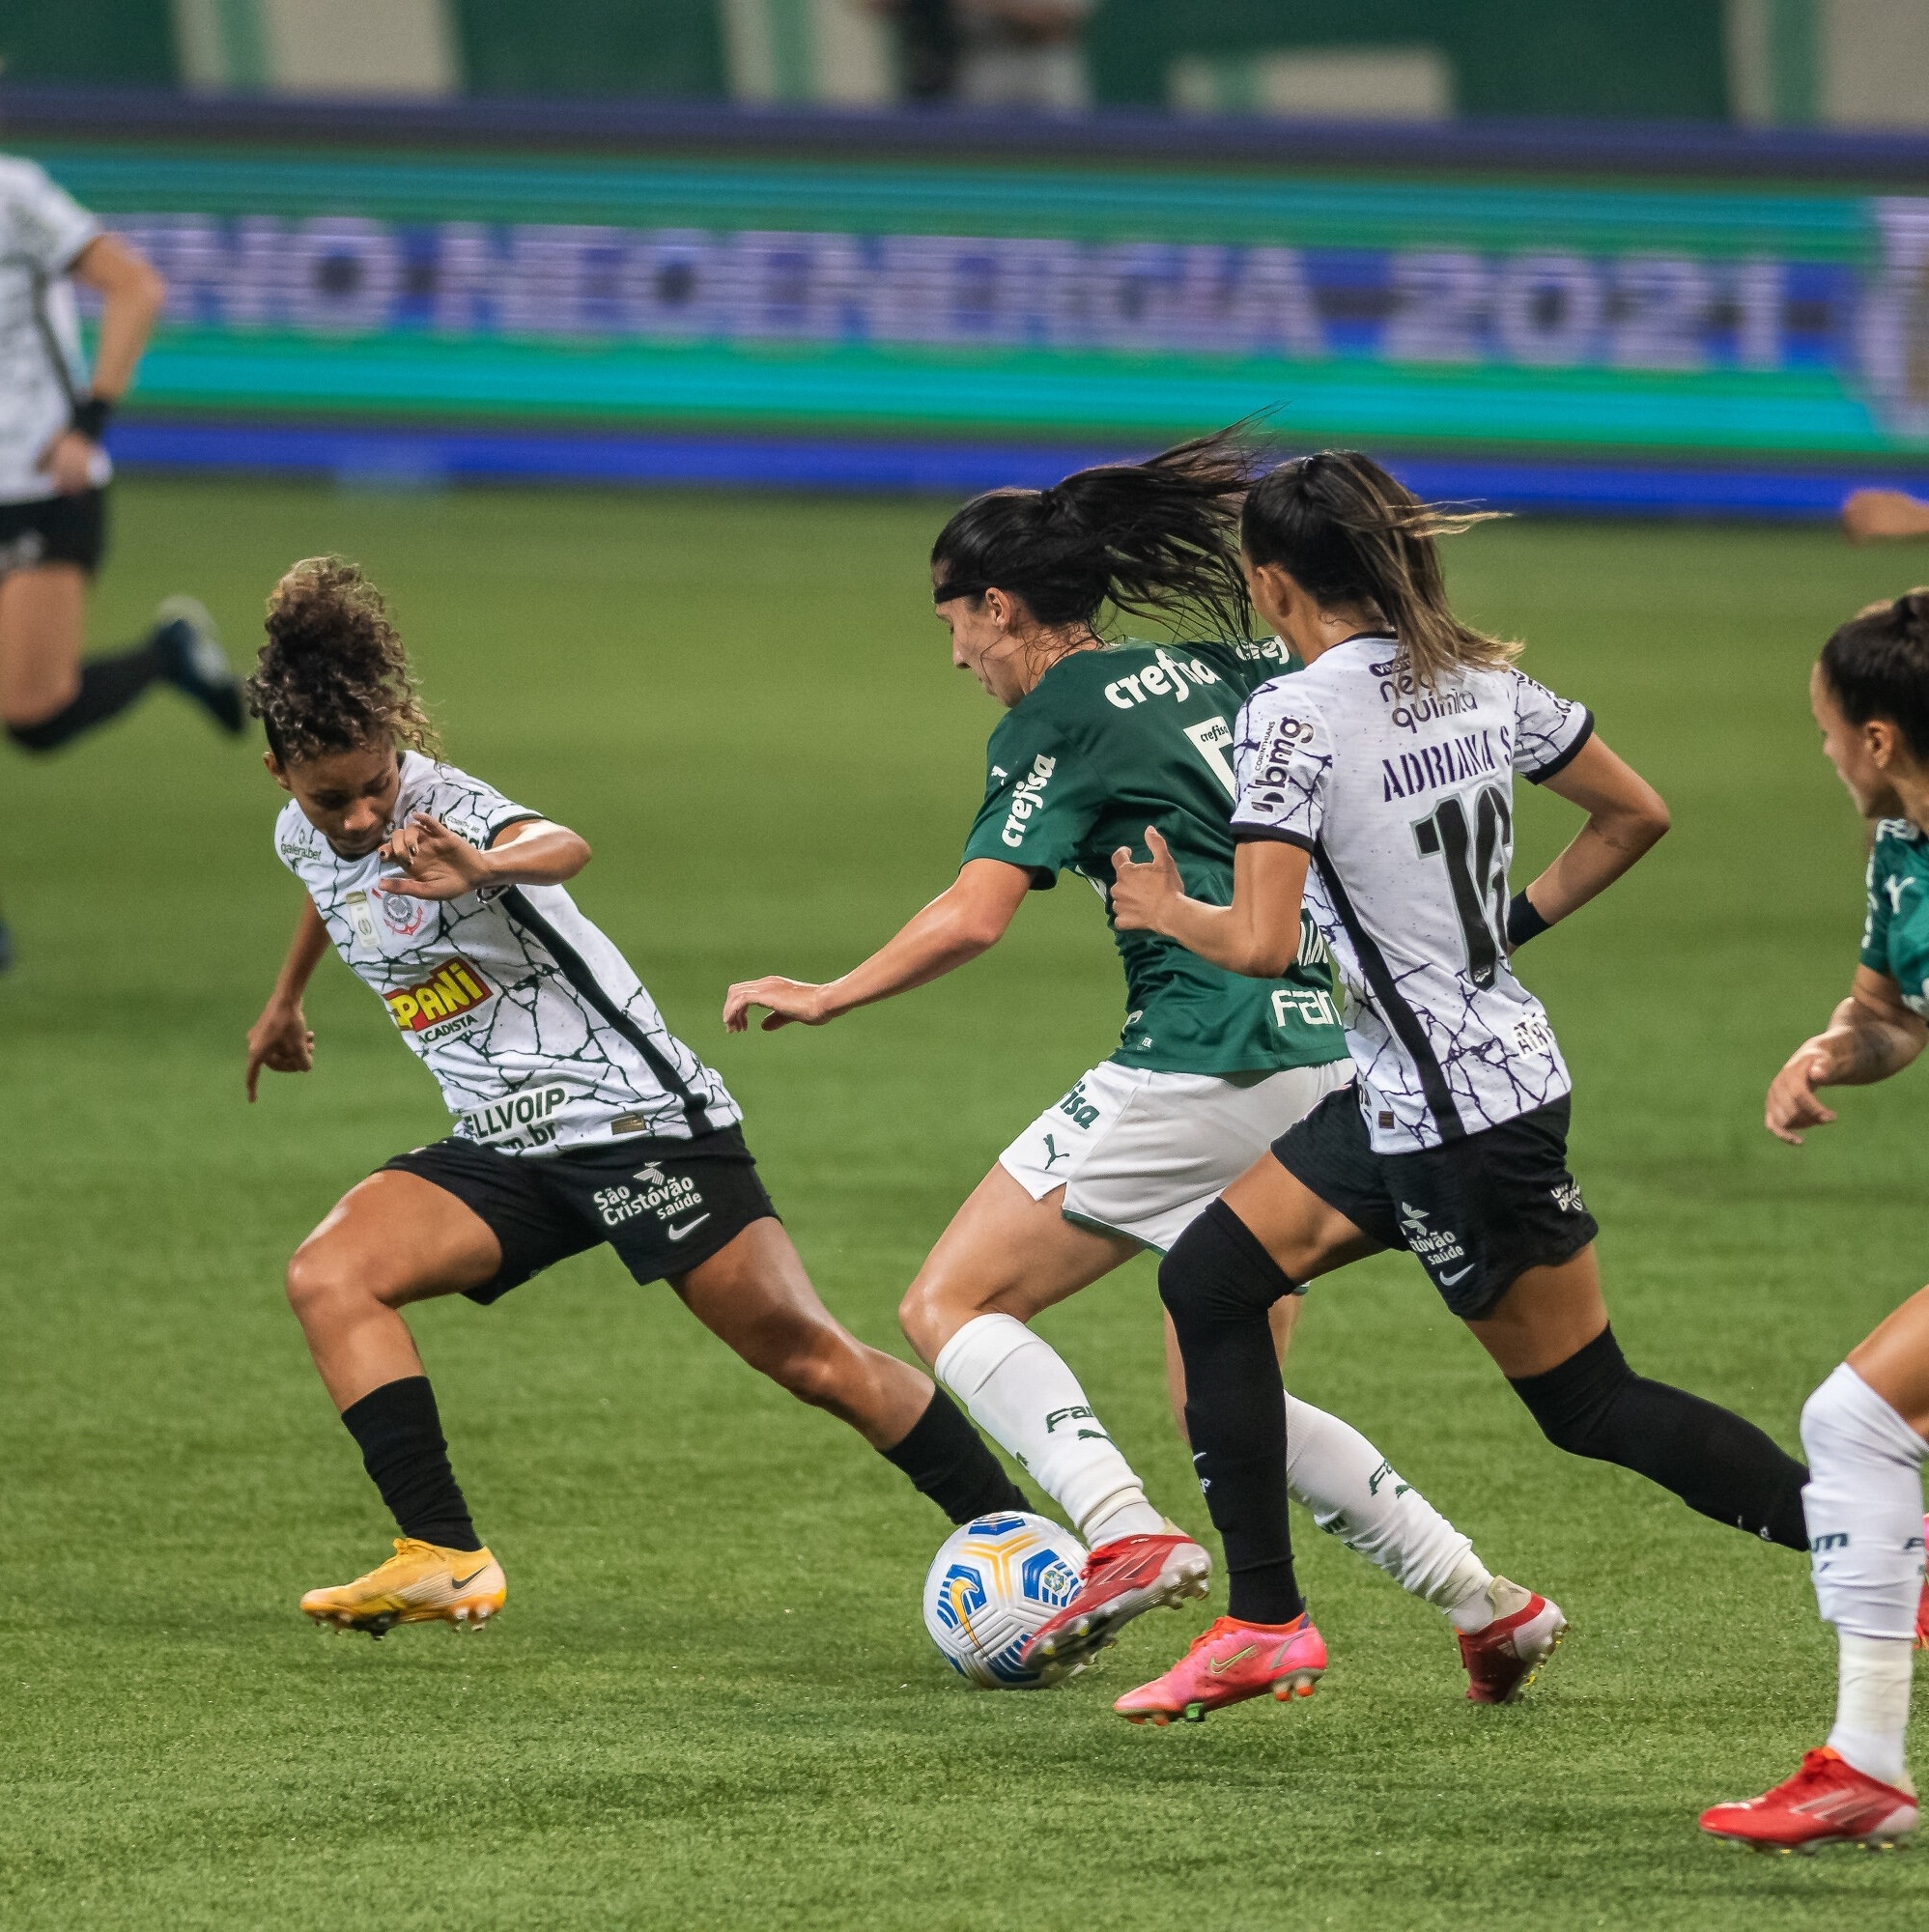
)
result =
(280, 1039)
(1256, 935)
(1870, 1036)
(1626, 819)
(968, 918)
(437, 864)
(1870, 515)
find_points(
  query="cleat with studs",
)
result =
(1828, 1801)
(422, 1583)
(1504, 1657)
(1121, 1579)
(1227, 1663)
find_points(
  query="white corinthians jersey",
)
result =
(537, 1030)
(1404, 799)
(42, 230)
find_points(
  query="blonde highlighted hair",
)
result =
(1350, 534)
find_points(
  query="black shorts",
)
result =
(1475, 1212)
(664, 1205)
(54, 529)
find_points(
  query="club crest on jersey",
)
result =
(453, 994)
(403, 917)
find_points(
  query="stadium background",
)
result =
(1658, 258)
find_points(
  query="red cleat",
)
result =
(1506, 1656)
(1922, 1602)
(1828, 1801)
(1121, 1579)
(1228, 1663)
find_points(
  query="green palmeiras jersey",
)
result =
(1895, 936)
(1107, 742)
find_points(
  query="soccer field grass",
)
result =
(711, 1701)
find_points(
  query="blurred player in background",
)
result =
(54, 475)
(1864, 1427)
(580, 1118)
(1870, 515)
(1375, 791)
(1096, 739)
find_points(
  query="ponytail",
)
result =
(1877, 666)
(1156, 537)
(1349, 533)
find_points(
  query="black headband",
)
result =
(943, 593)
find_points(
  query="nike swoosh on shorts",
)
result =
(689, 1227)
(1447, 1280)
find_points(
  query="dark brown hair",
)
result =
(1158, 538)
(333, 675)
(1877, 666)
(1349, 533)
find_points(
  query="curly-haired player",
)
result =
(580, 1118)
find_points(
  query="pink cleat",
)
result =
(1828, 1801)
(1121, 1581)
(1228, 1663)
(1506, 1656)
(1922, 1602)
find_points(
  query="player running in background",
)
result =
(1375, 787)
(1864, 1427)
(1096, 739)
(580, 1118)
(54, 475)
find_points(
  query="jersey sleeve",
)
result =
(1874, 952)
(471, 808)
(1548, 730)
(44, 223)
(1283, 754)
(1036, 809)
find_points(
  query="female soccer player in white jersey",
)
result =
(1376, 789)
(580, 1118)
(54, 474)
(1864, 1428)
(1210, 1068)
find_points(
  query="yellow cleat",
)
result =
(420, 1583)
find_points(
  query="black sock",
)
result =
(1218, 1282)
(947, 1460)
(1595, 1405)
(402, 1449)
(107, 686)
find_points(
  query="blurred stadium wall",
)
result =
(1525, 252)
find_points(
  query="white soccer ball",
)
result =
(991, 1584)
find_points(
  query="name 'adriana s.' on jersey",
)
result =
(1403, 796)
(538, 1032)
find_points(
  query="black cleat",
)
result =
(194, 663)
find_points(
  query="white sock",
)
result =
(1030, 1404)
(1864, 1506)
(1872, 1705)
(1355, 1494)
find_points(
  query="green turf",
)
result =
(711, 1701)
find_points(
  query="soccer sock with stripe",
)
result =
(1024, 1397)
(946, 1460)
(400, 1434)
(107, 686)
(1863, 1505)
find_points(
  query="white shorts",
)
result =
(1142, 1153)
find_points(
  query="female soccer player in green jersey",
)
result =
(1864, 1427)
(580, 1118)
(1099, 740)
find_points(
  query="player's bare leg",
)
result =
(754, 1294)
(42, 612)
(394, 1239)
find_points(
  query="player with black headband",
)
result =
(54, 475)
(580, 1118)
(1375, 792)
(1210, 1066)
(1867, 1429)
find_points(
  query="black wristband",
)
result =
(90, 417)
(1523, 922)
